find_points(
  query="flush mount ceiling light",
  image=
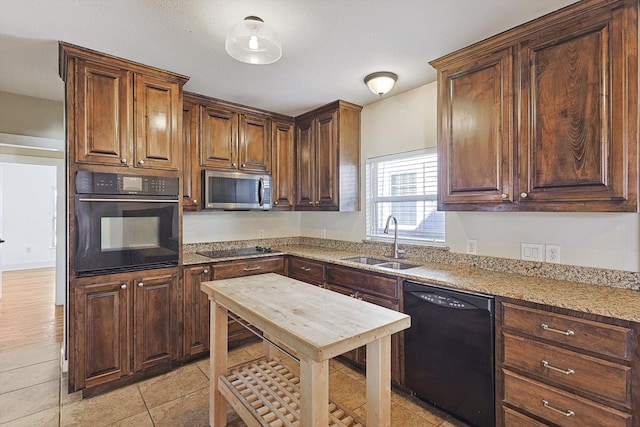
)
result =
(381, 82)
(254, 42)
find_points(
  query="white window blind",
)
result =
(404, 186)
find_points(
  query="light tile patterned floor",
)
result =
(33, 393)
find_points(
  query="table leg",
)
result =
(379, 382)
(314, 393)
(217, 365)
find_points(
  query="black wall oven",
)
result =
(125, 223)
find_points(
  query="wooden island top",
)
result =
(317, 324)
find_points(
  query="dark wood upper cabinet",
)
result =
(328, 158)
(282, 165)
(254, 143)
(103, 100)
(157, 107)
(476, 120)
(544, 116)
(191, 176)
(120, 113)
(232, 137)
(231, 140)
(218, 138)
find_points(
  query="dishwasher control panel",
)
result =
(443, 300)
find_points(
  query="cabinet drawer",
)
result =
(516, 419)
(599, 337)
(306, 271)
(557, 406)
(365, 282)
(226, 270)
(588, 374)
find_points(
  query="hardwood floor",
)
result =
(28, 314)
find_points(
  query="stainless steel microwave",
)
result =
(236, 191)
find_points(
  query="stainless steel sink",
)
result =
(377, 262)
(396, 265)
(365, 260)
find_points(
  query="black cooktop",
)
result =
(229, 253)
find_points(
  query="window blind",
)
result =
(405, 186)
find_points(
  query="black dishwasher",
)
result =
(449, 351)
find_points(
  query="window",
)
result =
(405, 186)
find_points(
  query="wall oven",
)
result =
(125, 223)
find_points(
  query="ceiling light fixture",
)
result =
(381, 82)
(254, 42)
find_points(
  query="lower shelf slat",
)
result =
(266, 394)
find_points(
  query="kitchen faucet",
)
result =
(396, 252)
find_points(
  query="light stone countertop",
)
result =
(597, 299)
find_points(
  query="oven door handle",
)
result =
(128, 200)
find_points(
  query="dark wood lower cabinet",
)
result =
(102, 334)
(196, 305)
(121, 324)
(196, 311)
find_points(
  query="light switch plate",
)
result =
(471, 247)
(531, 252)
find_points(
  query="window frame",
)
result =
(372, 187)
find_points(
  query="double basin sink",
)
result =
(376, 262)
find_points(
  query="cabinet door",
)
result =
(103, 99)
(191, 176)
(282, 166)
(196, 311)
(154, 321)
(475, 128)
(218, 138)
(326, 159)
(157, 116)
(103, 341)
(575, 115)
(305, 164)
(254, 148)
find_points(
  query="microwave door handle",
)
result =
(261, 191)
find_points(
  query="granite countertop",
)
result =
(597, 299)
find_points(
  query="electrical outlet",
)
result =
(552, 253)
(471, 247)
(261, 234)
(531, 252)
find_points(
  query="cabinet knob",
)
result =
(244, 165)
(234, 164)
(524, 195)
(275, 203)
(205, 271)
(140, 284)
(194, 202)
(123, 286)
(311, 202)
(123, 160)
(141, 162)
(504, 195)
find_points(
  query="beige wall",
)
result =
(25, 115)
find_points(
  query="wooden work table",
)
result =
(317, 324)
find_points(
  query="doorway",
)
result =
(32, 265)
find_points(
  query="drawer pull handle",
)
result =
(553, 368)
(252, 269)
(558, 331)
(305, 269)
(567, 413)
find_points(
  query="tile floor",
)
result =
(33, 393)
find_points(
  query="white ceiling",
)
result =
(328, 45)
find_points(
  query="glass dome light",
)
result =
(254, 42)
(381, 82)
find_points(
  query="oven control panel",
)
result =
(113, 183)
